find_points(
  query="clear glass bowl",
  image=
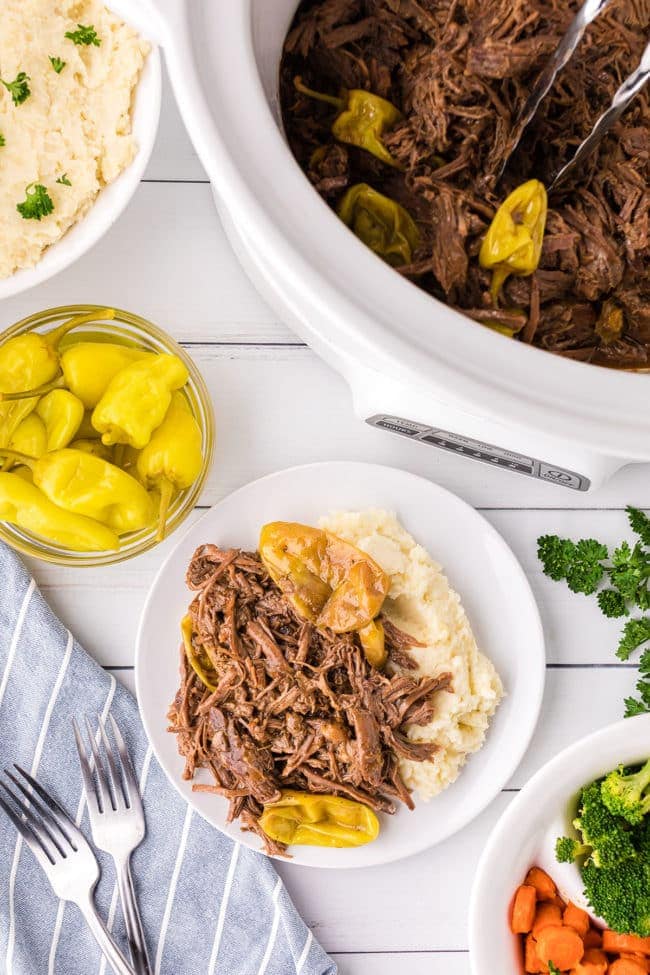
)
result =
(132, 330)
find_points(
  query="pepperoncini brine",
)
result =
(513, 243)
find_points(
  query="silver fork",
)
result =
(117, 822)
(64, 854)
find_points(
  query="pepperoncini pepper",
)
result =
(137, 399)
(381, 223)
(24, 505)
(303, 819)
(87, 485)
(31, 360)
(12, 415)
(328, 580)
(62, 413)
(373, 642)
(89, 367)
(95, 447)
(173, 458)
(28, 362)
(362, 119)
(513, 242)
(30, 437)
(197, 658)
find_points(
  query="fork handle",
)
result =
(100, 932)
(132, 918)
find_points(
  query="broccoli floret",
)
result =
(609, 840)
(625, 794)
(567, 849)
(620, 895)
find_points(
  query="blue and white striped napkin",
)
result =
(209, 905)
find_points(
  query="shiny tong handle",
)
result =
(630, 87)
(588, 12)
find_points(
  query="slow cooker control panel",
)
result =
(477, 450)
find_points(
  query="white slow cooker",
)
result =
(416, 368)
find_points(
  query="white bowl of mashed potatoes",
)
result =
(79, 108)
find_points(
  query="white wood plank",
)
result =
(167, 259)
(400, 963)
(576, 631)
(419, 904)
(283, 406)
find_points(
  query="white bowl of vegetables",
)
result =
(553, 807)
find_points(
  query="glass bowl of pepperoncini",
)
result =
(106, 435)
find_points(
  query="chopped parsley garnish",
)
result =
(63, 180)
(57, 64)
(38, 203)
(18, 88)
(2, 140)
(84, 35)
(586, 564)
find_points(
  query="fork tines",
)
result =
(45, 827)
(116, 785)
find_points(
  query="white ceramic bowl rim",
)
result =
(376, 318)
(112, 199)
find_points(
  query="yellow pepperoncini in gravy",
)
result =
(513, 243)
(382, 224)
(303, 819)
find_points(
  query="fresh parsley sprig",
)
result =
(37, 203)
(84, 35)
(2, 140)
(586, 565)
(552, 970)
(18, 88)
(57, 64)
(63, 180)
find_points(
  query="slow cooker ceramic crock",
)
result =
(416, 367)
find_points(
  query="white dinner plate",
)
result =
(479, 566)
(526, 833)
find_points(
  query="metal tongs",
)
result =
(587, 13)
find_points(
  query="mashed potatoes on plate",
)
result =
(72, 133)
(422, 603)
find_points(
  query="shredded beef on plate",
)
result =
(459, 71)
(295, 707)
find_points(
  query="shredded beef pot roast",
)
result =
(459, 70)
(295, 707)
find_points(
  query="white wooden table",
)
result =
(168, 260)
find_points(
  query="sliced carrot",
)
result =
(614, 942)
(561, 945)
(543, 884)
(546, 914)
(594, 962)
(523, 909)
(593, 938)
(640, 959)
(576, 918)
(626, 966)
(532, 964)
